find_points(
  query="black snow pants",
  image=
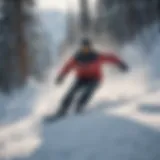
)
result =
(82, 88)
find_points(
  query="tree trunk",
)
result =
(84, 16)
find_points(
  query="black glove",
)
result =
(59, 80)
(123, 67)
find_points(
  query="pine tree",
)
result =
(20, 55)
(125, 18)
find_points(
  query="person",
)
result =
(87, 64)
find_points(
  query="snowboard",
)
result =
(55, 117)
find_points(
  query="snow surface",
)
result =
(122, 122)
(115, 126)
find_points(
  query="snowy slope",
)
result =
(117, 125)
(121, 123)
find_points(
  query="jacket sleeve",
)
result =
(70, 64)
(114, 60)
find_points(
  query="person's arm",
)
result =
(66, 69)
(114, 60)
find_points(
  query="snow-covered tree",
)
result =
(23, 42)
(124, 19)
(38, 43)
(84, 16)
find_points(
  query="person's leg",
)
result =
(89, 89)
(68, 99)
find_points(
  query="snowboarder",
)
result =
(87, 64)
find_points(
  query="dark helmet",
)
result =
(86, 42)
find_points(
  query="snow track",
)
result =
(115, 125)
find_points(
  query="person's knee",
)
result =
(83, 99)
(68, 98)
(81, 102)
(86, 96)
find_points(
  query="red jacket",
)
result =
(89, 66)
